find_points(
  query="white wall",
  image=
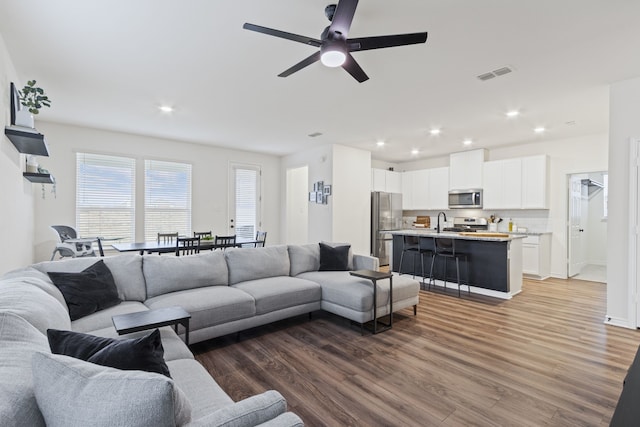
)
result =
(297, 206)
(624, 123)
(16, 200)
(346, 216)
(210, 179)
(566, 156)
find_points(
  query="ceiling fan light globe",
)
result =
(333, 58)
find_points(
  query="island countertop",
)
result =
(478, 235)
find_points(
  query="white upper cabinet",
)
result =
(465, 169)
(439, 188)
(425, 189)
(535, 182)
(502, 184)
(519, 183)
(385, 180)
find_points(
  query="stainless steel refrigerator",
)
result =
(386, 214)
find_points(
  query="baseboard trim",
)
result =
(618, 321)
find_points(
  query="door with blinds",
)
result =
(244, 203)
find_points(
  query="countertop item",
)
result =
(496, 237)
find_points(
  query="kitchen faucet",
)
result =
(445, 219)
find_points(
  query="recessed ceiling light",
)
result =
(467, 142)
(435, 131)
(414, 151)
(513, 113)
(166, 108)
(380, 143)
(539, 129)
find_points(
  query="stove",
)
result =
(466, 224)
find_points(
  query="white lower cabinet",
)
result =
(536, 256)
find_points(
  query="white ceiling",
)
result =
(110, 63)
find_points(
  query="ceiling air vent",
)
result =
(495, 73)
(315, 134)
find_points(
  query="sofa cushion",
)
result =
(19, 340)
(102, 319)
(276, 293)
(252, 411)
(33, 304)
(334, 258)
(338, 244)
(257, 263)
(201, 390)
(39, 279)
(72, 392)
(126, 270)
(304, 258)
(168, 273)
(174, 346)
(142, 354)
(209, 306)
(93, 289)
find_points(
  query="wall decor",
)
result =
(15, 102)
(320, 193)
(312, 196)
(326, 190)
(319, 197)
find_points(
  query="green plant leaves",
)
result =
(34, 97)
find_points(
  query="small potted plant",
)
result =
(32, 99)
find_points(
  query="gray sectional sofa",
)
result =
(225, 292)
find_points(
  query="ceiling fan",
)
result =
(335, 47)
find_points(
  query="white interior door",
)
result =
(244, 203)
(576, 247)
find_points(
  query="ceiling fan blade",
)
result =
(353, 68)
(282, 34)
(300, 65)
(380, 42)
(342, 18)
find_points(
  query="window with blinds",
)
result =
(105, 196)
(167, 198)
(247, 197)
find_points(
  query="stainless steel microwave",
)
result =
(465, 199)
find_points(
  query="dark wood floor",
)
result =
(544, 358)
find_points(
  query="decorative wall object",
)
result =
(320, 193)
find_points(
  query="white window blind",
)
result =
(167, 198)
(105, 196)
(247, 197)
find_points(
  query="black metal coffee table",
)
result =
(374, 276)
(143, 320)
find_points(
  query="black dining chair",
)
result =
(202, 234)
(446, 248)
(223, 242)
(261, 238)
(187, 246)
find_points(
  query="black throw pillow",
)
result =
(129, 354)
(334, 258)
(91, 290)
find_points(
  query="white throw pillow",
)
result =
(71, 392)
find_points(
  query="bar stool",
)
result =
(446, 248)
(411, 244)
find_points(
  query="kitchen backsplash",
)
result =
(535, 221)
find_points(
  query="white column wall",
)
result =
(16, 193)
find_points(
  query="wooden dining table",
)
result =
(162, 247)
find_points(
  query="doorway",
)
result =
(297, 205)
(244, 206)
(587, 226)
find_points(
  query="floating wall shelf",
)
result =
(27, 141)
(39, 178)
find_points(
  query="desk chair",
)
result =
(225, 241)
(187, 245)
(446, 249)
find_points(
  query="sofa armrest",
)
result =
(365, 262)
(249, 412)
(288, 419)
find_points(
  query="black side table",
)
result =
(150, 319)
(374, 276)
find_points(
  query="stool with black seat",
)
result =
(411, 244)
(446, 248)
